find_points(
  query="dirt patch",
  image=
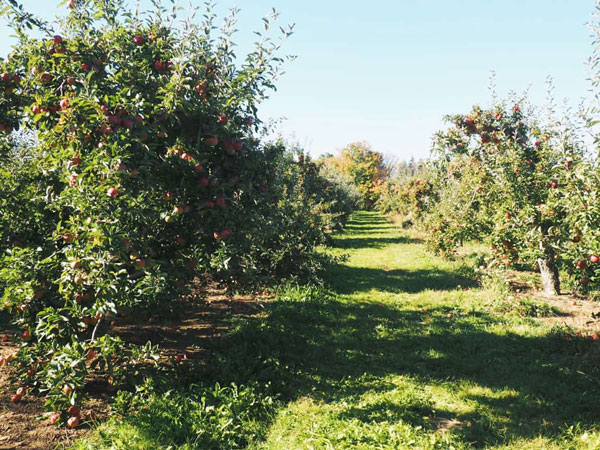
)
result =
(25, 425)
(578, 313)
(200, 323)
(444, 423)
(22, 425)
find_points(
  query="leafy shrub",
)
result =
(200, 417)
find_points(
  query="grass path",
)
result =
(411, 354)
(403, 351)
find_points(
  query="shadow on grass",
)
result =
(524, 386)
(312, 343)
(372, 242)
(313, 348)
(347, 280)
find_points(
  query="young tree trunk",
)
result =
(549, 273)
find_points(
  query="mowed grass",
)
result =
(404, 350)
(411, 354)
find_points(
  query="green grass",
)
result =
(403, 351)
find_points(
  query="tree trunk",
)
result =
(549, 273)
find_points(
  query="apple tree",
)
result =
(143, 173)
(507, 180)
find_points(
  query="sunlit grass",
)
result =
(432, 363)
(405, 350)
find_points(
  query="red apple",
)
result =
(54, 417)
(594, 259)
(67, 389)
(177, 358)
(159, 66)
(139, 40)
(198, 168)
(16, 398)
(212, 141)
(112, 192)
(73, 422)
(220, 202)
(58, 39)
(581, 264)
(75, 265)
(585, 281)
(204, 181)
(140, 263)
(26, 335)
(222, 119)
(86, 67)
(225, 234)
(507, 215)
(74, 410)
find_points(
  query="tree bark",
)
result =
(549, 273)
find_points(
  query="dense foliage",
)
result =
(137, 174)
(365, 167)
(522, 185)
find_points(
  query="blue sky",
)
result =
(388, 71)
